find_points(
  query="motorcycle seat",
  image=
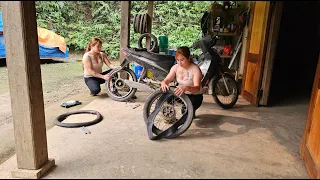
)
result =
(153, 56)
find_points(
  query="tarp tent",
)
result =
(51, 45)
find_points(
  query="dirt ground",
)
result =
(61, 80)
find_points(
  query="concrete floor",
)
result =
(243, 142)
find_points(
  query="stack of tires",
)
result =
(140, 22)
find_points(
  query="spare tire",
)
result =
(137, 23)
(134, 21)
(141, 25)
(155, 40)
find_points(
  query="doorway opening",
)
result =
(296, 54)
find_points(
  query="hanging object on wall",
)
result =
(140, 22)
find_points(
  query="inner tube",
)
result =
(60, 118)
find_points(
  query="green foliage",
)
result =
(79, 21)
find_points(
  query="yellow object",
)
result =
(149, 74)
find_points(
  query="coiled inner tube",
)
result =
(60, 118)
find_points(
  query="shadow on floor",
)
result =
(219, 126)
(285, 120)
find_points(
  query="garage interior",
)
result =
(296, 54)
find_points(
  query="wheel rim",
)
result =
(170, 112)
(226, 91)
(118, 88)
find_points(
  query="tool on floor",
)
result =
(136, 106)
(70, 103)
(86, 130)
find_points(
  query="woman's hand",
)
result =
(164, 86)
(106, 77)
(179, 90)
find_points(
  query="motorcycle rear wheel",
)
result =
(116, 84)
(219, 91)
(183, 99)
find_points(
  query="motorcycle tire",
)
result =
(215, 97)
(134, 20)
(184, 127)
(155, 40)
(129, 95)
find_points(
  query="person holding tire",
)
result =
(92, 63)
(188, 76)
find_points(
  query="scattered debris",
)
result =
(136, 106)
(86, 130)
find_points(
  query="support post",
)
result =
(23, 63)
(149, 24)
(125, 26)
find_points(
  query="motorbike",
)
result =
(124, 82)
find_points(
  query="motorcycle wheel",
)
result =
(170, 112)
(117, 89)
(220, 91)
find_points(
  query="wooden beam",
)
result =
(23, 63)
(149, 24)
(125, 26)
(271, 51)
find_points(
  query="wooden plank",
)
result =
(255, 55)
(23, 63)
(252, 4)
(124, 27)
(257, 27)
(271, 51)
(248, 95)
(312, 169)
(149, 23)
(305, 151)
(313, 141)
(253, 58)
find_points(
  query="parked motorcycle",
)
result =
(225, 89)
(156, 66)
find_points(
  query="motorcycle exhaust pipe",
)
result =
(139, 86)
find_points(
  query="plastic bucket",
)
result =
(163, 42)
(163, 51)
(172, 52)
(138, 70)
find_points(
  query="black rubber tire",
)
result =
(137, 23)
(185, 126)
(127, 97)
(155, 40)
(134, 21)
(60, 118)
(141, 25)
(214, 95)
(145, 24)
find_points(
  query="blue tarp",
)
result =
(45, 52)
